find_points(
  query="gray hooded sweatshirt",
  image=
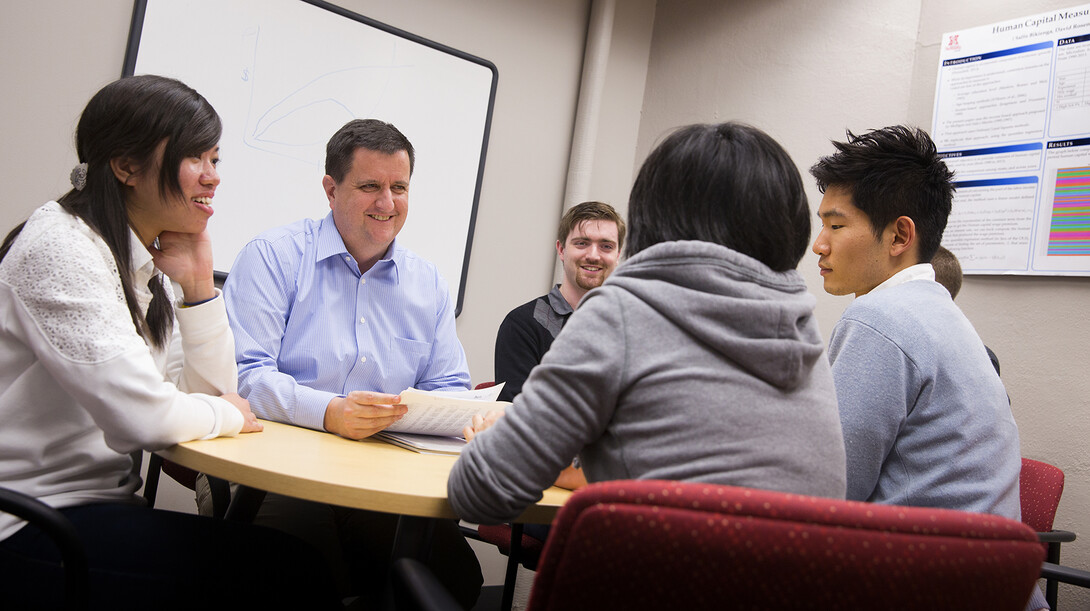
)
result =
(692, 362)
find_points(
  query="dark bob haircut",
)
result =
(730, 184)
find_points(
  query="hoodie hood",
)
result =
(760, 319)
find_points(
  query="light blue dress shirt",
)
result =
(309, 327)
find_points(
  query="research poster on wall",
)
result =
(1012, 120)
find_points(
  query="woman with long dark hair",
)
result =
(98, 360)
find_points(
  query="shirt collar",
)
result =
(920, 271)
(390, 263)
(331, 244)
(558, 303)
(143, 267)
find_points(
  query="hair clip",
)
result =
(78, 177)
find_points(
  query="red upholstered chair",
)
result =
(1040, 488)
(669, 545)
(527, 550)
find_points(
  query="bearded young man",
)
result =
(588, 242)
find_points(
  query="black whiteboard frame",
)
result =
(132, 51)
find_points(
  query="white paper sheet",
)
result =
(445, 413)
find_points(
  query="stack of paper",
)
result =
(436, 418)
(425, 444)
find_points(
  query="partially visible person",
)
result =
(947, 270)
(332, 319)
(588, 242)
(926, 419)
(98, 360)
(698, 359)
(948, 273)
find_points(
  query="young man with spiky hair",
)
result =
(925, 417)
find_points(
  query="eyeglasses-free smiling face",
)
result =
(590, 253)
(187, 212)
(370, 204)
(850, 257)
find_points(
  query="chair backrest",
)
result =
(654, 544)
(1040, 486)
(64, 535)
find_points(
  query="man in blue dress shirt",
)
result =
(332, 319)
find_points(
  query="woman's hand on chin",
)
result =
(186, 258)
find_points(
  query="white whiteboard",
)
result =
(284, 75)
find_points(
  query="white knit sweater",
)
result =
(79, 387)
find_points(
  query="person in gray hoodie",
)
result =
(699, 359)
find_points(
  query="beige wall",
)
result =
(54, 55)
(806, 70)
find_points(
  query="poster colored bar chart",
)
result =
(1069, 233)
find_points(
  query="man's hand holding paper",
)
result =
(363, 413)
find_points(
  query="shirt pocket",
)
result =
(411, 353)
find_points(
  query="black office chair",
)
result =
(63, 534)
(1066, 574)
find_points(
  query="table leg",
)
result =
(244, 504)
(514, 556)
(412, 539)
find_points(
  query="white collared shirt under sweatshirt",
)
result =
(79, 387)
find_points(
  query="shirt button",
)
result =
(363, 359)
(363, 280)
(363, 321)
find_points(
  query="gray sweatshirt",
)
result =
(692, 362)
